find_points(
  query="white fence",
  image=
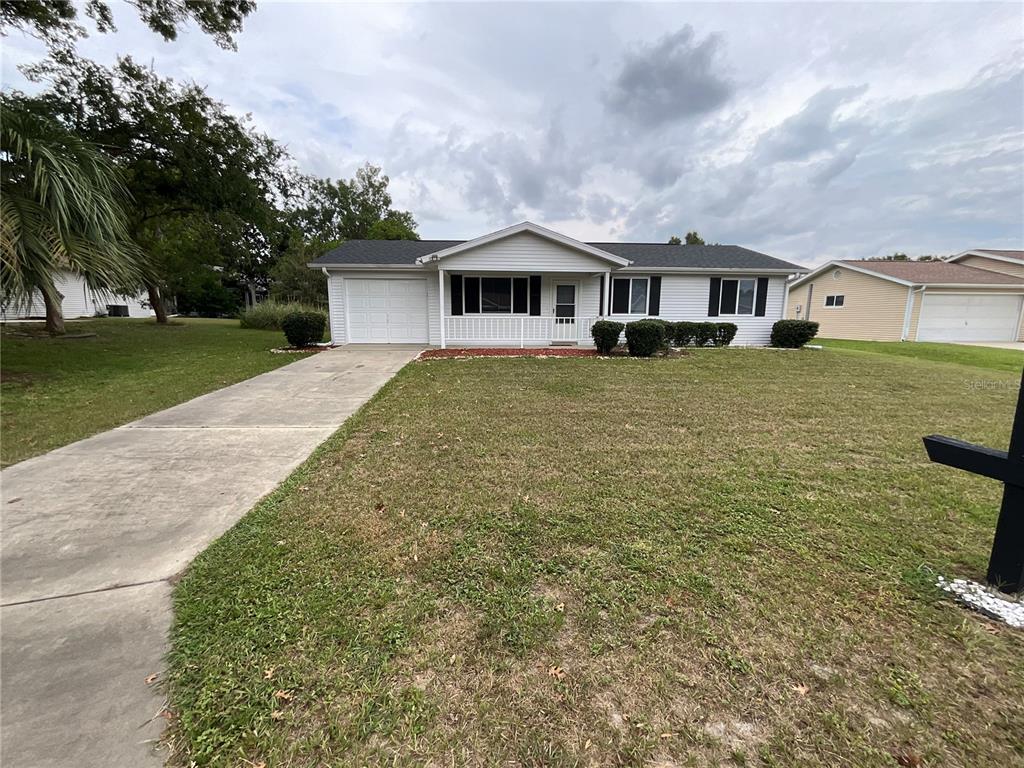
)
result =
(516, 331)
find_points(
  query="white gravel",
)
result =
(992, 603)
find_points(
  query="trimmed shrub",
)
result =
(668, 329)
(724, 334)
(645, 337)
(703, 333)
(684, 333)
(303, 329)
(793, 334)
(267, 315)
(606, 335)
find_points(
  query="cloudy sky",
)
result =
(809, 132)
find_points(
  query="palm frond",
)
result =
(63, 207)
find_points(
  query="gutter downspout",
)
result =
(908, 313)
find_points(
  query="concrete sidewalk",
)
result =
(92, 533)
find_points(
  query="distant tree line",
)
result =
(898, 256)
(141, 183)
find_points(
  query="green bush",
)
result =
(669, 331)
(793, 334)
(606, 335)
(303, 329)
(645, 337)
(724, 334)
(703, 333)
(267, 315)
(684, 333)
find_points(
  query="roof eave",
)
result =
(361, 266)
(715, 270)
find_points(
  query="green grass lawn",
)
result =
(58, 390)
(980, 357)
(723, 559)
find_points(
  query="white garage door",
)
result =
(968, 317)
(387, 311)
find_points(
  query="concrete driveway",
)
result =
(1018, 345)
(93, 533)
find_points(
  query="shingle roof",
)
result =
(652, 255)
(1018, 255)
(937, 272)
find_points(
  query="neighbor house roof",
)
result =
(921, 273)
(643, 255)
(995, 253)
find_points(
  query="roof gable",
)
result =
(534, 229)
(991, 253)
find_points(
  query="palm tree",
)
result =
(62, 207)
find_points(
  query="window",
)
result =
(835, 301)
(496, 295)
(630, 296)
(738, 297)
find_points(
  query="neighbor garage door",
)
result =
(387, 311)
(968, 317)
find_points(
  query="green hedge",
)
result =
(606, 335)
(645, 337)
(303, 329)
(724, 334)
(793, 334)
(703, 333)
(267, 315)
(685, 333)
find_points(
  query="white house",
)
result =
(80, 301)
(530, 286)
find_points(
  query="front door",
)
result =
(565, 312)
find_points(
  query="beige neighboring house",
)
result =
(974, 296)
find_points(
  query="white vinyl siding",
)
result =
(79, 301)
(685, 297)
(523, 253)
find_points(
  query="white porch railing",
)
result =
(516, 331)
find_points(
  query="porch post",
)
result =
(608, 293)
(440, 299)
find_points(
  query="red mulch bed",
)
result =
(429, 354)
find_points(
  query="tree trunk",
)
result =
(156, 303)
(54, 315)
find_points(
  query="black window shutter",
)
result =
(472, 295)
(534, 294)
(620, 296)
(456, 292)
(654, 300)
(601, 300)
(714, 296)
(762, 296)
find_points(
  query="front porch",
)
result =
(503, 309)
(490, 330)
